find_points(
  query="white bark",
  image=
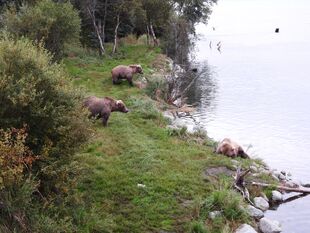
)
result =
(115, 34)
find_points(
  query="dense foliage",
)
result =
(105, 21)
(38, 98)
(47, 22)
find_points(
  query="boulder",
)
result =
(282, 177)
(269, 226)
(245, 228)
(253, 169)
(214, 214)
(254, 212)
(277, 196)
(261, 203)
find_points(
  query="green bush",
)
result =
(155, 84)
(145, 108)
(38, 93)
(47, 22)
(227, 201)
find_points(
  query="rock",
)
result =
(245, 228)
(254, 212)
(281, 176)
(261, 203)
(214, 214)
(269, 226)
(253, 169)
(277, 196)
(141, 185)
(305, 185)
(217, 171)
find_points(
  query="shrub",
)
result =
(145, 108)
(227, 201)
(38, 93)
(16, 185)
(47, 22)
(157, 87)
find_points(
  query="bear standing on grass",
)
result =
(125, 72)
(102, 107)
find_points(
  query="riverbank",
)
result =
(141, 175)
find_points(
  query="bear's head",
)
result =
(137, 69)
(120, 106)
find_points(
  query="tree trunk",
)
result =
(153, 35)
(101, 46)
(147, 35)
(104, 20)
(115, 34)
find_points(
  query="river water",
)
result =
(255, 88)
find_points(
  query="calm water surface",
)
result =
(256, 89)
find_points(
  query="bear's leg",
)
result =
(116, 80)
(105, 118)
(129, 79)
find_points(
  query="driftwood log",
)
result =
(299, 189)
(240, 185)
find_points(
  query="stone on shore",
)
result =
(253, 169)
(254, 212)
(277, 196)
(269, 226)
(261, 203)
(245, 228)
(214, 214)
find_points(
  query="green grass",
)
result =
(136, 148)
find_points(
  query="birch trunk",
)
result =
(101, 46)
(115, 34)
(153, 35)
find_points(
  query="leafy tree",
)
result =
(47, 22)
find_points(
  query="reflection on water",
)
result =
(257, 90)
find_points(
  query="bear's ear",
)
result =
(119, 103)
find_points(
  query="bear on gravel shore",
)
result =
(231, 149)
(102, 107)
(125, 72)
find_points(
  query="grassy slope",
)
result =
(136, 149)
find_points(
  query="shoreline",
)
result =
(256, 210)
(150, 177)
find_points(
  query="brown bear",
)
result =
(125, 72)
(102, 107)
(231, 149)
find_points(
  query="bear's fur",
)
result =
(231, 149)
(102, 107)
(125, 72)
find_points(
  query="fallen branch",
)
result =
(239, 184)
(300, 189)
